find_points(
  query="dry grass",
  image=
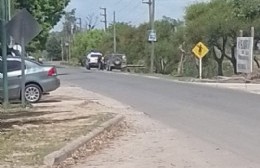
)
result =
(27, 135)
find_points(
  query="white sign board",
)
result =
(245, 54)
(152, 36)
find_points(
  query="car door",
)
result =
(14, 78)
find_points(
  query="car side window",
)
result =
(13, 65)
(30, 64)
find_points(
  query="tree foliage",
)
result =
(48, 13)
(84, 42)
(216, 23)
(53, 46)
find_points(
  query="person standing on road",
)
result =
(101, 63)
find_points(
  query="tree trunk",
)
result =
(219, 61)
(180, 66)
(220, 67)
(256, 61)
(233, 59)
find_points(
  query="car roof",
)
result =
(115, 55)
(17, 58)
(96, 53)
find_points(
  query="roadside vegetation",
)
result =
(216, 23)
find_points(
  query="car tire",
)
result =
(32, 93)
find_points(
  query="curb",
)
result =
(61, 155)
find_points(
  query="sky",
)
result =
(130, 11)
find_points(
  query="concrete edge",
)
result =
(61, 155)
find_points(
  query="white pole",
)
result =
(252, 48)
(114, 22)
(23, 73)
(200, 62)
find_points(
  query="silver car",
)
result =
(40, 79)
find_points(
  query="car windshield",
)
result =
(118, 55)
(95, 56)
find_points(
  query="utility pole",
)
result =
(153, 30)
(4, 51)
(104, 14)
(150, 10)
(80, 24)
(9, 10)
(62, 48)
(114, 32)
(151, 4)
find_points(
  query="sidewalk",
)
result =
(247, 87)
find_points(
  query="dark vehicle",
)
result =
(115, 61)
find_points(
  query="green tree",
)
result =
(249, 12)
(53, 47)
(130, 41)
(167, 48)
(48, 13)
(218, 30)
(84, 42)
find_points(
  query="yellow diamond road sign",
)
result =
(200, 50)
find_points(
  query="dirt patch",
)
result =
(27, 135)
(96, 145)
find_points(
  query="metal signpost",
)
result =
(200, 51)
(245, 54)
(23, 28)
(4, 52)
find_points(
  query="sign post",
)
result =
(4, 52)
(200, 62)
(245, 54)
(23, 28)
(200, 51)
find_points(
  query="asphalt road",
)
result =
(227, 118)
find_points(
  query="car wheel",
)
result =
(32, 93)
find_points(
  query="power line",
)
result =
(131, 10)
(118, 2)
(125, 6)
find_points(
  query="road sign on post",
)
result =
(245, 54)
(23, 28)
(152, 36)
(200, 51)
